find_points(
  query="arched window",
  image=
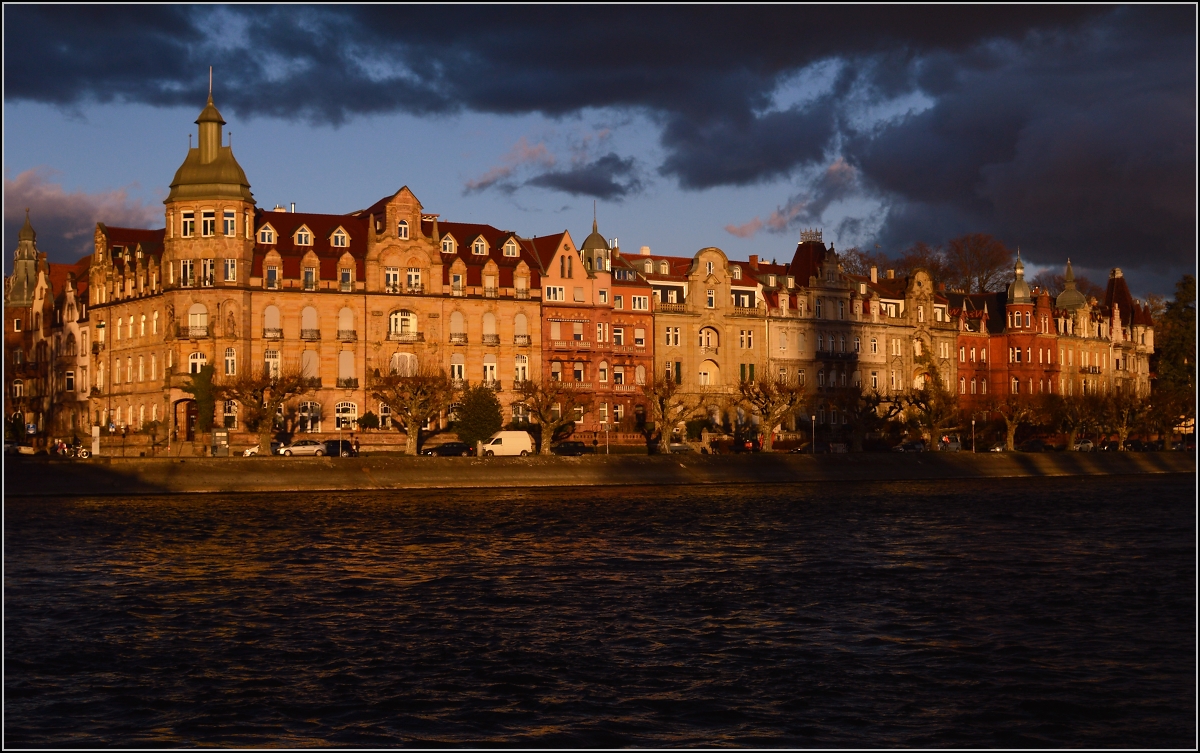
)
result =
(230, 362)
(155, 323)
(197, 320)
(310, 364)
(402, 230)
(458, 325)
(271, 325)
(874, 345)
(142, 326)
(403, 322)
(520, 325)
(577, 371)
(618, 375)
(346, 376)
(639, 374)
(119, 320)
(962, 385)
(18, 388)
(346, 323)
(196, 361)
(346, 415)
(489, 329)
(821, 378)
(737, 273)
(404, 364)
(603, 372)
(385, 416)
(664, 268)
(229, 413)
(310, 326)
(709, 338)
(310, 417)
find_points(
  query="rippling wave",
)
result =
(1004, 613)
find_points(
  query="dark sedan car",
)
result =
(339, 448)
(571, 447)
(450, 449)
(917, 446)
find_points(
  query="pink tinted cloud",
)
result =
(522, 153)
(65, 221)
(838, 181)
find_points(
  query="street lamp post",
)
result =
(814, 434)
(972, 435)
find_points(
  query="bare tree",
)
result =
(414, 398)
(1073, 414)
(921, 255)
(1016, 410)
(259, 395)
(933, 409)
(669, 405)
(552, 405)
(1126, 412)
(772, 400)
(854, 261)
(865, 411)
(978, 263)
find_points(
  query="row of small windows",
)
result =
(208, 223)
(303, 237)
(479, 247)
(578, 371)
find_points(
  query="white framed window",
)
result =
(479, 248)
(303, 237)
(339, 239)
(521, 369)
(142, 326)
(187, 276)
(414, 278)
(230, 218)
(208, 272)
(448, 245)
(510, 249)
(230, 270)
(619, 302)
(310, 417)
(346, 415)
(271, 363)
(228, 413)
(402, 322)
(874, 345)
(737, 273)
(708, 267)
(188, 224)
(402, 230)
(310, 278)
(230, 362)
(857, 344)
(640, 302)
(266, 234)
(391, 279)
(746, 338)
(556, 293)
(603, 372)
(208, 223)
(272, 278)
(712, 296)
(618, 335)
(196, 361)
(672, 336)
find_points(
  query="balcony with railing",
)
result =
(1089, 369)
(626, 387)
(457, 291)
(406, 337)
(414, 288)
(393, 288)
(581, 385)
(350, 383)
(313, 383)
(345, 286)
(521, 340)
(192, 331)
(629, 349)
(492, 384)
(347, 335)
(310, 334)
(491, 292)
(829, 355)
(570, 345)
(272, 333)
(521, 294)
(491, 339)
(458, 338)
(748, 311)
(670, 308)
(710, 350)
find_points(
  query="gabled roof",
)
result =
(466, 232)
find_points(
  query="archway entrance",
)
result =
(184, 423)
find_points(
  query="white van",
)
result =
(508, 443)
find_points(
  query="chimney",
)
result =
(293, 207)
(644, 251)
(874, 273)
(753, 261)
(891, 274)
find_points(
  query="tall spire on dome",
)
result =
(27, 232)
(210, 170)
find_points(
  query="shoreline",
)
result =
(154, 476)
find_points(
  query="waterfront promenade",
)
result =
(120, 477)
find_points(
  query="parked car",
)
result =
(1034, 445)
(680, 447)
(251, 451)
(1083, 445)
(917, 446)
(450, 449)
(572, 447)
(340, 448)
(950, 443)
(998, 447)
(823, 448)
(508, 443)
(304, 447)
(1110, 445)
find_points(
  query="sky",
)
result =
(1066, 131)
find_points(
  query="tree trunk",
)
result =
(1122, 435)
(664, 441)
(768, 444)
(264, 440)
(1071, 436)
(413, 439)
(1011, 428)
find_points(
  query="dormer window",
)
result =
(649, 267)
(663, 268)
(303, 237)
(340, 239)
(402, 230)
(771, 280)
(737, 273)
(510, 249)
(266, 235)
(447, 245)
(480, 248)
(708, 267)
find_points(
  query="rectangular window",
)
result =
(604, 296)
(641, 303)
(188, 228)
(413, 277)
(672, 296)
(679, 372)
(619, 302)
(70, 381)
(603, 413)
(230, 223)
(556, 331)
(231, 270)
(618, 335)
(577, 334)
(391, 280)
(962, 354)
(874, 380)
(346, 281)
(208, 223)
(558, 293)
(712, 299)
(208, 272)
(272, 278)
(639, 337)
(310, 278)
(186, 273)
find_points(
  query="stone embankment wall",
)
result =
(120, 476)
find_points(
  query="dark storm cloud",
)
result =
(608, 177)
(1065, 129)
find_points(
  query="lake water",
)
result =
(1011, 612)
